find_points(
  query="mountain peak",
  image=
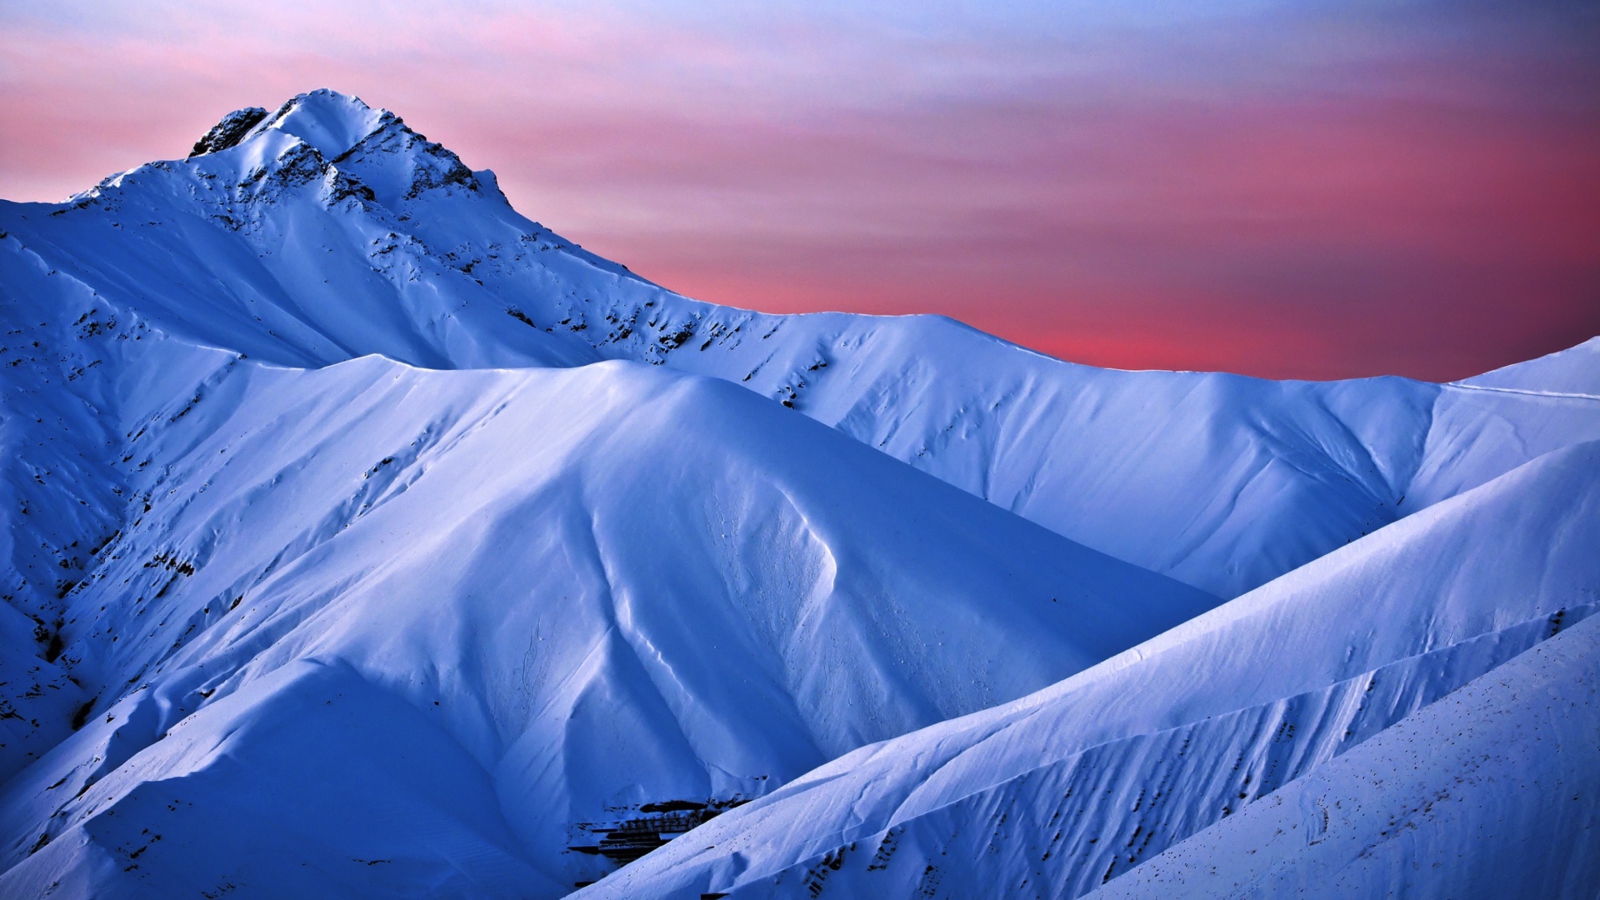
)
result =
(328, 120)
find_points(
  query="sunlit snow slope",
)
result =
(363, 537)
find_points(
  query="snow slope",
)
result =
(330, 230)
(1061, 792)
(1487, 793)
(578, 590)
(1575, 370)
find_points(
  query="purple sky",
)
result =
(1282, 189)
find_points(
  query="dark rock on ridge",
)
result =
(230, 131)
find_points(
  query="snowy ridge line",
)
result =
(1108, 777)
(1526, 731)
(1462, 386)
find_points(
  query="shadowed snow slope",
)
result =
(1055, 794)
(331, 230)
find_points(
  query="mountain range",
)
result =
(366, 538)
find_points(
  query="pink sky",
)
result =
(1274, 189)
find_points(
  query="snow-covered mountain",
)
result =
(364, 537)
(1058, 793)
